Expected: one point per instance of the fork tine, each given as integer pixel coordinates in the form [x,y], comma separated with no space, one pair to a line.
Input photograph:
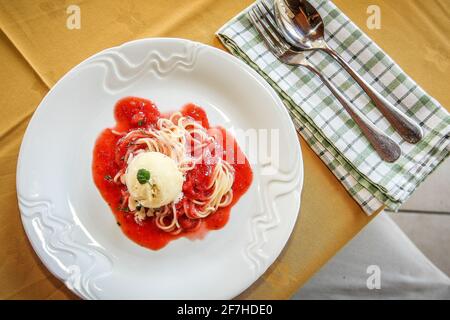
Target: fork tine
[265,29]
[270,27]
[267,39]
[268,10]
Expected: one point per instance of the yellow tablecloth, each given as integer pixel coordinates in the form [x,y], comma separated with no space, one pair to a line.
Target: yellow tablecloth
[36,49]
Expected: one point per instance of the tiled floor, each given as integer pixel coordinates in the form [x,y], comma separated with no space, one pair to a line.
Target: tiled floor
[403,258]
[404,272]
[430,233]
[434,193]
[425,217]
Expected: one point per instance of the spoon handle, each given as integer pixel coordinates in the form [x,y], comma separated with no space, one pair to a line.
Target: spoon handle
[405,126]
[387,149]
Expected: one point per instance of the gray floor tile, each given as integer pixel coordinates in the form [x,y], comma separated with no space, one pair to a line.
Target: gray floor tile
[434,193]
[430,233]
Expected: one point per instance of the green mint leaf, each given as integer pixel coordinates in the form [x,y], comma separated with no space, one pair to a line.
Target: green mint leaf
[143,176]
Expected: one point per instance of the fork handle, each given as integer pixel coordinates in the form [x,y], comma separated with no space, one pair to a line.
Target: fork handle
[387,149]
[405,126]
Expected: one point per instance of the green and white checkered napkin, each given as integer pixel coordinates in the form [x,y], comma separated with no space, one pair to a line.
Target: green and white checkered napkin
[325,125]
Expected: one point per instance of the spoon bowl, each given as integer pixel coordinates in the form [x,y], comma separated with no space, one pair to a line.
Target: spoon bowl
[300,23]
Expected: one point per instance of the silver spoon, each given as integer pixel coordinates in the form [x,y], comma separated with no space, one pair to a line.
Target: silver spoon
[302,26]
[261,17]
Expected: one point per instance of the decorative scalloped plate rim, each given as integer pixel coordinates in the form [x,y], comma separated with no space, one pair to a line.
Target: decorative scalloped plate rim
[88,252]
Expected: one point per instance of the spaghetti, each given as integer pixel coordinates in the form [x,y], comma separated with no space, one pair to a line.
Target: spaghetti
[188,143]
[208,181]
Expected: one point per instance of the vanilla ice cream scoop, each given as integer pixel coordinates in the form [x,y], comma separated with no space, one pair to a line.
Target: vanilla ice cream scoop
[153,179]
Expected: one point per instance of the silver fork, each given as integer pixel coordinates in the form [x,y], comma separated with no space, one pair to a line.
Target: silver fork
[263,20]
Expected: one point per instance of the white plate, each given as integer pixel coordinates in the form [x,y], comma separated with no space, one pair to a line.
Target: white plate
[73,230]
